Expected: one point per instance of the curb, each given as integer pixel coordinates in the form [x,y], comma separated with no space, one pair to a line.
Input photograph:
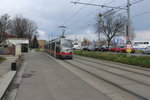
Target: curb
[5,82]
[18,78]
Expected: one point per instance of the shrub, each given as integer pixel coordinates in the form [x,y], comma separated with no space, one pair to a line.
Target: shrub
[2,59]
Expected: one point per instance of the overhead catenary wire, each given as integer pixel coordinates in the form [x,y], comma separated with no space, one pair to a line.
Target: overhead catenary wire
[92,18]
[141,14]
[76,13]
[75,22]
[88,14]
[122,6]
[84,27]
[136,2]
[110,2]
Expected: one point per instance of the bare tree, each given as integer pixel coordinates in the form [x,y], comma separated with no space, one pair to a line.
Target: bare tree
[23,27]
[85,42]
[110,24]
[4,25]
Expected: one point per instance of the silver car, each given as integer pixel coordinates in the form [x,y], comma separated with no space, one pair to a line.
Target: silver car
[146,50]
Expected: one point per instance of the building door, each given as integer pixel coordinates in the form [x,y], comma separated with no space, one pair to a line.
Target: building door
[24,48]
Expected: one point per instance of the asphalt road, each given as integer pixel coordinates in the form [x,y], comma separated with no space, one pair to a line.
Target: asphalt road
[46,79]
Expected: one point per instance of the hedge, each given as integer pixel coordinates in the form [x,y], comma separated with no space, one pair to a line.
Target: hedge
[143,61]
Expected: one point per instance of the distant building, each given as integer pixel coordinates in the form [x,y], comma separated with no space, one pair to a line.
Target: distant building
[41,44]
[21,44]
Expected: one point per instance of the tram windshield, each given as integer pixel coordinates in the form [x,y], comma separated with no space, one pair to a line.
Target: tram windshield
[66,44]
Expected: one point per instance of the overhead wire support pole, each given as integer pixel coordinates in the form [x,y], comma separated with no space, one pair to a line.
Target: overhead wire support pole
[128,34]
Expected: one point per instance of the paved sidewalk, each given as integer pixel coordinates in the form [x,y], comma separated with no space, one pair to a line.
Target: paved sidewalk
[6,65]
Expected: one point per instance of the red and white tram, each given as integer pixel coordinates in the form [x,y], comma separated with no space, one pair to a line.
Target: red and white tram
[60,48]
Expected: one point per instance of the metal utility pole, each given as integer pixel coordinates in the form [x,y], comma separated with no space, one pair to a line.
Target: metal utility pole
[99,39]
[128,32]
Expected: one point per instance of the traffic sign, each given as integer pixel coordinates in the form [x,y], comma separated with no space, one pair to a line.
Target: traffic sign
[128,46]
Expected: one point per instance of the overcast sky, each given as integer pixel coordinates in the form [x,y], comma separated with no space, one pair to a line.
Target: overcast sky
[50,14]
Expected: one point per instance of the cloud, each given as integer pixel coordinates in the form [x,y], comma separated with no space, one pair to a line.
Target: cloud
[142,35]
[88,34]
[42,35]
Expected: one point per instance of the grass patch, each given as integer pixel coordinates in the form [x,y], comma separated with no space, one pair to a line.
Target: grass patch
[38,50]
[2,59]
[138,51]
[143,61]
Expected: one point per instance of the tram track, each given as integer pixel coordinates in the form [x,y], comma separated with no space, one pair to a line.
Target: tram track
[112,66]
[108,81]
[93,66]
[114,87]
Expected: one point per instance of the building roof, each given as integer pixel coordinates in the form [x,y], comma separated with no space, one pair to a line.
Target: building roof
[6,35]
[17,39]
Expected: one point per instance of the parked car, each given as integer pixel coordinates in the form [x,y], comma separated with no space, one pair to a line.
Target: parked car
[88,48]
[120,49]
[114,49]
[101,48]
[146,50]
[91,48]
[105,48]
[85,48]
[98,48]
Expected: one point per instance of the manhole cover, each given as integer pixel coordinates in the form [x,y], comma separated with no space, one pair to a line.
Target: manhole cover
[26,75]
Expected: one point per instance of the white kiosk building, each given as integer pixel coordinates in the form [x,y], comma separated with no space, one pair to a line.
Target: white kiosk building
[21,44]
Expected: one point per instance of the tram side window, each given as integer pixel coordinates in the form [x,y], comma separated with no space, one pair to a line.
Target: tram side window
[53,46]
[57,46]
[57,49]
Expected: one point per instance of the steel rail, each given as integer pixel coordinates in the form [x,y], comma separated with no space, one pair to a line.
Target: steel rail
[115,67]
[128,91]
[114,73]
